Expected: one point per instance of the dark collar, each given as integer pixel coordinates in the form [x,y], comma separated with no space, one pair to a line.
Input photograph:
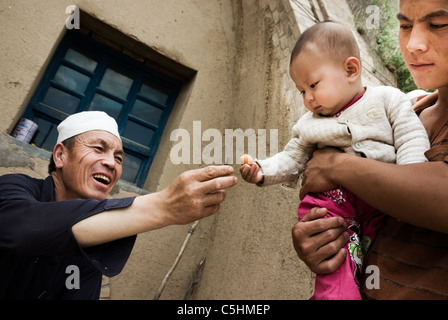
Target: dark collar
[48,190]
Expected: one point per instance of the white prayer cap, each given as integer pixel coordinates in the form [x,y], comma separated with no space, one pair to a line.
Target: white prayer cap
[86,121]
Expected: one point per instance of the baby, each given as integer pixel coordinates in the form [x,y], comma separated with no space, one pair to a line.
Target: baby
[373,122]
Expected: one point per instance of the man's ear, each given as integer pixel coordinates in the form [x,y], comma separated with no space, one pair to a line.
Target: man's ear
[59,154]
[352,67]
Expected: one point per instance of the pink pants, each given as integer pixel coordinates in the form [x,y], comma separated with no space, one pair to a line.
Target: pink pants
[364,222]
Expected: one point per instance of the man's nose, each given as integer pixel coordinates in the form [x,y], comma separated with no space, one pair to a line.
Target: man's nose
[417,40]
[108,160]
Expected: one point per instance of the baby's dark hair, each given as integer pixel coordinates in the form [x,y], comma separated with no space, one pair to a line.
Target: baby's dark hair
[331,37]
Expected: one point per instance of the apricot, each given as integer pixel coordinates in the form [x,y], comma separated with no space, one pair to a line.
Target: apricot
[247,159]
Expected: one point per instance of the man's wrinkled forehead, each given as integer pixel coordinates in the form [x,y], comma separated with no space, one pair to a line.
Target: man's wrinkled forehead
[427,10]
[100,138]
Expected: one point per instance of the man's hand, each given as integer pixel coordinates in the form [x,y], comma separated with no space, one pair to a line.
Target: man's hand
[316,177]
[320,242]
[196,194]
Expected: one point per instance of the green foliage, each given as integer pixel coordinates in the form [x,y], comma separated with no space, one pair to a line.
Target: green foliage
[387,43]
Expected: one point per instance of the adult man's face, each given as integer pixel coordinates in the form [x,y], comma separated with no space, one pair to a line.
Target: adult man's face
[424,41]
[92,167]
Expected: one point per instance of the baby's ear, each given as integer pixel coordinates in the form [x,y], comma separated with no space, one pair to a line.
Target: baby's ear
[352,67]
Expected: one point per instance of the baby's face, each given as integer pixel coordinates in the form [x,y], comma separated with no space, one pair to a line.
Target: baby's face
[324,84]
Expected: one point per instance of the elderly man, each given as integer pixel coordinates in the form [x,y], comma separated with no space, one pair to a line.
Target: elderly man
[67,220]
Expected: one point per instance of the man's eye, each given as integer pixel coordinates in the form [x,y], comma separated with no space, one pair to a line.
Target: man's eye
[405,26]
[438,26]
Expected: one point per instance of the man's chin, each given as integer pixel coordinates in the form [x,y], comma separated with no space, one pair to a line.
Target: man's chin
[96,194]
[99,191]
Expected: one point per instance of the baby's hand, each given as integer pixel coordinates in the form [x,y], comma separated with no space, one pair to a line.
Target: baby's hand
[250,171]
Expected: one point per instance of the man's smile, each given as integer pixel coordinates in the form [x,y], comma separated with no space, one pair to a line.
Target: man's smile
[102,178]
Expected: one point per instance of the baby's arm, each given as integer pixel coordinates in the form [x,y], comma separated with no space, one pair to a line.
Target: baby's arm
[284,167]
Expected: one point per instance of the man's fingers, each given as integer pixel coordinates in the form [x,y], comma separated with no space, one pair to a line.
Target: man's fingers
[217,184]
[325,241]
[323,227]
[209,179]
[214,198]
[319,240]
[316,224]
[211,172]
[333,239]
[330,265]
[210,210]
[314,213]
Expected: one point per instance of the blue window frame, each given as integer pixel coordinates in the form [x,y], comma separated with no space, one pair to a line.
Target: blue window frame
[85,75]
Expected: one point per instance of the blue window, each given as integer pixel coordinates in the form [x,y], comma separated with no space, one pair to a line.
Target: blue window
[85,75]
